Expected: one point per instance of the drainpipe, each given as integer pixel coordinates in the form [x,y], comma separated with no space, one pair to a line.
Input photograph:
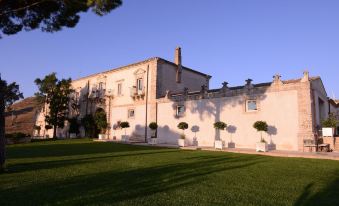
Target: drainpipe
[146,104]
[87,96]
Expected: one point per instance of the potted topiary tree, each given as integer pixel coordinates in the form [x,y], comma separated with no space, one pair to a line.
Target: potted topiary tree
[124,125]
[153,126]
[37,128]
[73,127]
[183,126]
[101,123]
[261,126]
[329,126]
[48,127]
[218,144]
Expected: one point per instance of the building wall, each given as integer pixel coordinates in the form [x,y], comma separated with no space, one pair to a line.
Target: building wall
[202,114]
[321,102]
[167,79]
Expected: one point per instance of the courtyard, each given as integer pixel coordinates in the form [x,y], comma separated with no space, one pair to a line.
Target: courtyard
[83,172]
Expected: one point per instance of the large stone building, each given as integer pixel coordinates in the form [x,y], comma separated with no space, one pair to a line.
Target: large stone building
[157,90]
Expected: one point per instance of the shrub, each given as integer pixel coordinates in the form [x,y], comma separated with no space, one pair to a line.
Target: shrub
[183,125]
[261,126]
[101,121]
[331,121]
[16,135]
[124,125]
[89,124]
[153,126]
[73,125]
[48,127]
[37,127]
[220,125]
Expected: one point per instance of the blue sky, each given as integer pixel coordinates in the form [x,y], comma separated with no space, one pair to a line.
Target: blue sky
[231,40]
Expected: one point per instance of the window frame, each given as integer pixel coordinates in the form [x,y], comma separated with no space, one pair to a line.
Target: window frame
[128,113]
[178,113]
[119,89]
[248,101]
[140,84]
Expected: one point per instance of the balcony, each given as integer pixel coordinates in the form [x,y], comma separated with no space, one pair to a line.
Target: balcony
[99,96]
[137,92]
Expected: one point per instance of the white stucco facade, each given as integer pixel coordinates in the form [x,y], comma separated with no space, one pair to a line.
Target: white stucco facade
[153,89]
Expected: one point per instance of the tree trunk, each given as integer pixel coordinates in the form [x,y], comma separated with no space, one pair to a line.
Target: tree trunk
[2,132]
[54,131]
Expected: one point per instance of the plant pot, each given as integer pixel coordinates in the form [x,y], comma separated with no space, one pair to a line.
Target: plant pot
[152,141]
[72,135]
[218,144]
[124,138]
[102,136]
[231,145]
[328,131]
[261,147]
[181,142]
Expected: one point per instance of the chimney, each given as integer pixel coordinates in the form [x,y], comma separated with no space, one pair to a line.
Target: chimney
[177,61]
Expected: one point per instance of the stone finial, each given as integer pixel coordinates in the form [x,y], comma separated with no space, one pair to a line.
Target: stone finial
[185,91]
[277,79]
[168,94]
[248,81]
[306,76]
[224,85]
[249,84]
[203,89]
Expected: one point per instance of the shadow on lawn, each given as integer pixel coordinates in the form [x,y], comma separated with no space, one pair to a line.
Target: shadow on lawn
[131,186]
[327,197]
[34,166]
[59,148]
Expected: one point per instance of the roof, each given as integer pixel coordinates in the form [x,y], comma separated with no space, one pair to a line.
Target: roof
[23,116]
[265,84]
[142,62]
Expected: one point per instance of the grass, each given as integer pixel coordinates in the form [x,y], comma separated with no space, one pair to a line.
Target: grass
[81,172]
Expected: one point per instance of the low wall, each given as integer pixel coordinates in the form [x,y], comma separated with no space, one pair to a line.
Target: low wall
[333,141]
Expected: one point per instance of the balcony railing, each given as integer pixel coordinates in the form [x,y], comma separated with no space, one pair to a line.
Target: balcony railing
[96,93]
[137,92]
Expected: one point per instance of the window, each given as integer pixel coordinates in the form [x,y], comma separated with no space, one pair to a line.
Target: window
[140,84]
[251,105]
[119,89]
[180,111]
[101,86]
[131,113]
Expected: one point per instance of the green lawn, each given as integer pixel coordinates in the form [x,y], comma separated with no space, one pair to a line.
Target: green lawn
[81,172]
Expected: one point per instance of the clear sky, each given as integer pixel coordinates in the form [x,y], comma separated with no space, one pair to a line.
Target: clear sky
[232,40]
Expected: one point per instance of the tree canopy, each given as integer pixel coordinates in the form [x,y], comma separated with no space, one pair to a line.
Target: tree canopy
[48,15]
[9,93]
[56,94]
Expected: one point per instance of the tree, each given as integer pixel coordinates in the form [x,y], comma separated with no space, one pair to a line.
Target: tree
[220,126]
[9,93]
[183,126]
[153,126]
[56,94]
[88,123]
[49,15]
[261,126]
[124,125]
[101,121]
[73,125]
